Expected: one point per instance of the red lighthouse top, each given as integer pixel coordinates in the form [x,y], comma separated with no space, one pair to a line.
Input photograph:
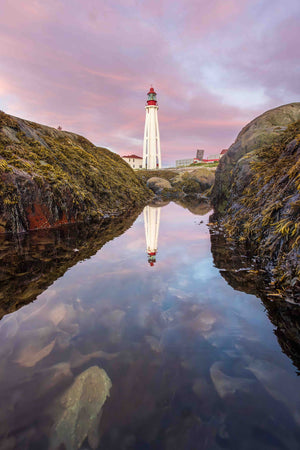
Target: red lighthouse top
[151,97]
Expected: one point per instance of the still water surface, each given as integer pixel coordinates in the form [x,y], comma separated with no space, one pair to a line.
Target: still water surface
[129,350]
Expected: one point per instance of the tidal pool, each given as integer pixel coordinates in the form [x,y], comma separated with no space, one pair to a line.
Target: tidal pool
[110,340]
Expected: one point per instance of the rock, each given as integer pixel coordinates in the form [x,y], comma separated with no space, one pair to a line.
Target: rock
[50,177]
[158,185]
[256,193]
[79,410]
[178,184]
[203,176]
[262,130]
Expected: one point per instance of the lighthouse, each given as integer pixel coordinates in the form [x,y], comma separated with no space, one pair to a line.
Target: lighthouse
[151,221]
[151,148]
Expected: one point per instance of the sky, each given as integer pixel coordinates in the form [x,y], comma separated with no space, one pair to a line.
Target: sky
[87,66]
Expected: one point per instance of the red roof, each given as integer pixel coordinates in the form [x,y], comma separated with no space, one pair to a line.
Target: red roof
[224,151]
[132,156]
[151,91]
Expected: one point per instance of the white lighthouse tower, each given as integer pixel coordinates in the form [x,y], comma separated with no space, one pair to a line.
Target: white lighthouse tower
[151,149]
[151,220]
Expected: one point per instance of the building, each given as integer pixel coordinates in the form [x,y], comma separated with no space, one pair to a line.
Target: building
[199,155]
[225,150]
[215,157]
[136,162]
[184,162]
[200,158]
[151,147]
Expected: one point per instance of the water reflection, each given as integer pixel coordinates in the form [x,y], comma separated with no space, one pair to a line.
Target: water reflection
[115,356]
[241,271]
[152,221]
[31,262]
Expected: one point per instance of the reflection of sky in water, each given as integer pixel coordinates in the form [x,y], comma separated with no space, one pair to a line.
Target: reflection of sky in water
[193,346]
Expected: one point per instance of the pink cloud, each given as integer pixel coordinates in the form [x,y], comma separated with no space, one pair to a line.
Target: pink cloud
[88,65]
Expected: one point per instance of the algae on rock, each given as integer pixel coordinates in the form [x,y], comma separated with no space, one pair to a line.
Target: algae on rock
[257,193]
[50,177]
[79,410]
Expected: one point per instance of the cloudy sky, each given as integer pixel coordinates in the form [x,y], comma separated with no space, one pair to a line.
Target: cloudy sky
[87,65]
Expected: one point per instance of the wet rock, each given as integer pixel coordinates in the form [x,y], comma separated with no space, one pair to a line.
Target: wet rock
[158,185]
[256,193]
[79,410]
[262,130]
[63,178]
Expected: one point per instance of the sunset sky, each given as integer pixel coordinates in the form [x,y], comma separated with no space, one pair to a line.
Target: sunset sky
[87,65]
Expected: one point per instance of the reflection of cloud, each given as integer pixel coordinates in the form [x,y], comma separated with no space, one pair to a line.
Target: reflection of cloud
[203,270]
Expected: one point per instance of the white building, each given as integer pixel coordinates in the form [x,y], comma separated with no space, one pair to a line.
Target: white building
[134,161]
[151,147]
[184,162]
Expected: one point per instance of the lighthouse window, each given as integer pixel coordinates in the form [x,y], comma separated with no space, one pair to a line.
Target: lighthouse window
[151,96]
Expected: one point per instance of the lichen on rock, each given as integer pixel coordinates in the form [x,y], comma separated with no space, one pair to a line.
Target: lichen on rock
[256,194]
[50,177]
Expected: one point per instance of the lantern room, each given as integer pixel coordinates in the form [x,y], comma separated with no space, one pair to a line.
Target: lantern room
[151,97]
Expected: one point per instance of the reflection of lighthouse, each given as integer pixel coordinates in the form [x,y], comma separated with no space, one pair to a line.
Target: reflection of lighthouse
[151,219]
[151,148]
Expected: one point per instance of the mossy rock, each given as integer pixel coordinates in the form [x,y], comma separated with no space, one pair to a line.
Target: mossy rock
[50,177]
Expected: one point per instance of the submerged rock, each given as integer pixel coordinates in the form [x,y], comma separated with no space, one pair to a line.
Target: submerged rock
[79,410]
[226,385]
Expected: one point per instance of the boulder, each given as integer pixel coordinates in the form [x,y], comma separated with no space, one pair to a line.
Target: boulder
[263,130]
[50,178]
[158,185]
[256,194]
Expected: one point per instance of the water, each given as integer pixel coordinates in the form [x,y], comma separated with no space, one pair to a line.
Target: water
[188,361]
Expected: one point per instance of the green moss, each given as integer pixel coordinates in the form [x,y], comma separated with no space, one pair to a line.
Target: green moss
[92,179]
[267,213]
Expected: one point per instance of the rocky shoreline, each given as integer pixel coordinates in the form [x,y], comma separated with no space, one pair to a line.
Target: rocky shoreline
[50,177]
[256,194]
[179,184]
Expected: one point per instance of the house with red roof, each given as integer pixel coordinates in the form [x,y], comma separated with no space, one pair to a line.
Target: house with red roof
[135,162]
